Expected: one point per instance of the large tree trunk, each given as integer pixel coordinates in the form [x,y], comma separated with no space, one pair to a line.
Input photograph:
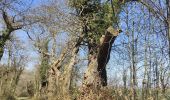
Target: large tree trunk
[95,75]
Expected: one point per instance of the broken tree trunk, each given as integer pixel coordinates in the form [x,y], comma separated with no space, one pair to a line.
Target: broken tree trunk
[95,75]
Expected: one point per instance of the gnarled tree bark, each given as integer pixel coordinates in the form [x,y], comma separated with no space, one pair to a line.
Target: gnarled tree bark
[60,82]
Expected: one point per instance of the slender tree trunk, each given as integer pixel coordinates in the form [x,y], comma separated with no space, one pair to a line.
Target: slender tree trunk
[125,81]
[95,76]
[144,83]
[156,79]
[149,76]
[133,65]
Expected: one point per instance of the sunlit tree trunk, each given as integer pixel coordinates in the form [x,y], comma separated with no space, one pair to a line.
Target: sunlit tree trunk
[53,75]
[66,77]
[59,81]
[133,64]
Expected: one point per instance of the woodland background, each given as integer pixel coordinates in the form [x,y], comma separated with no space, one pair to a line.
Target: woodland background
[84,50]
